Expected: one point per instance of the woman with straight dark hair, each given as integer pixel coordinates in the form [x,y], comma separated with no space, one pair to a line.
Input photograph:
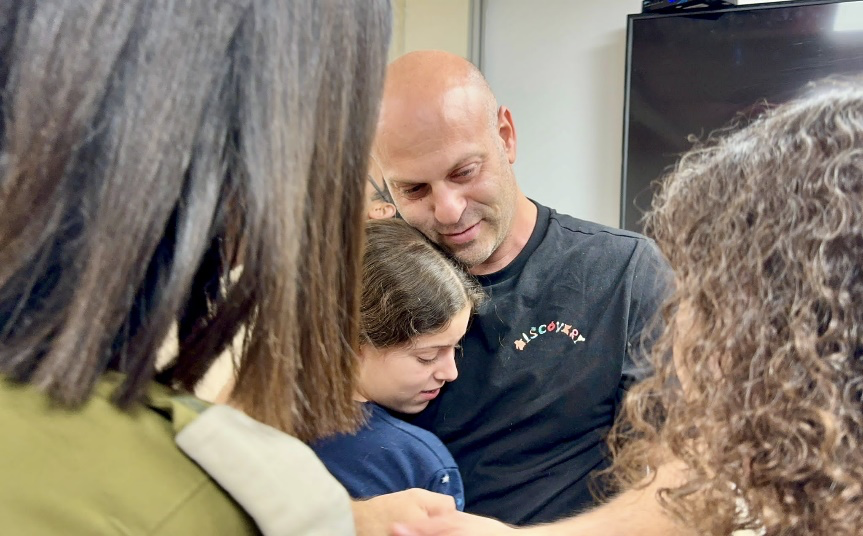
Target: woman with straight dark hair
[145,146]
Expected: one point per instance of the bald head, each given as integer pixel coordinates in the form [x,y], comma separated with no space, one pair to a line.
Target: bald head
[429,85]
[431,71]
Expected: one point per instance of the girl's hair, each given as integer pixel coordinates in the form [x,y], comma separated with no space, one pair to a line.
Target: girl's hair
[764,229]
[410,286]
[145,147]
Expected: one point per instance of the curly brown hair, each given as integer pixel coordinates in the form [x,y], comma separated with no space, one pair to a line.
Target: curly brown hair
[764,230]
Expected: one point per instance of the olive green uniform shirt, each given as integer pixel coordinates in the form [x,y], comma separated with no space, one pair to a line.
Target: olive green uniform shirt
[97,470]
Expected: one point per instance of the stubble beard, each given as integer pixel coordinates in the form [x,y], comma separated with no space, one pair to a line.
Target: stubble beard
[477,253]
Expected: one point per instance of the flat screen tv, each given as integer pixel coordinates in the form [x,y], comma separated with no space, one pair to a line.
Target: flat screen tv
[690,73]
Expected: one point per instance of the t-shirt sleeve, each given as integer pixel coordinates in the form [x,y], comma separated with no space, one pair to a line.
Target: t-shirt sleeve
[651,284]
[448,481]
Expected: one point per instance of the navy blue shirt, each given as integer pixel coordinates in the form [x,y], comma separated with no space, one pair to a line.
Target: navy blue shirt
[388,455]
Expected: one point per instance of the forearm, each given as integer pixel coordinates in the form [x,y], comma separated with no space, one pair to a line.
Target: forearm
[634,512]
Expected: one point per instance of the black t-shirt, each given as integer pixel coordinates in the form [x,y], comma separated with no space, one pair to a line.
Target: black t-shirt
[544,365]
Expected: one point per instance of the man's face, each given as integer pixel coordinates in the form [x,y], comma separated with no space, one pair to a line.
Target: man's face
[451,177]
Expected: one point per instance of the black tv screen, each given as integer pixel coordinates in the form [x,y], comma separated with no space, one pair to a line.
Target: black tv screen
[690,73]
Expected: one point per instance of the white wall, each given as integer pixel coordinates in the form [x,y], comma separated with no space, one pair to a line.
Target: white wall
[559,66]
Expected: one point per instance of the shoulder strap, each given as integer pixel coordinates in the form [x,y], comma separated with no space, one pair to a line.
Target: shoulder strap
[276,478]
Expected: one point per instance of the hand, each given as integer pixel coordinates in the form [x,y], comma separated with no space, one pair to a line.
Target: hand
[454,524]
[375,516]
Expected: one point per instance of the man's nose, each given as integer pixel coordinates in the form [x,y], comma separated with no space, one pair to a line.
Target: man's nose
[449,205]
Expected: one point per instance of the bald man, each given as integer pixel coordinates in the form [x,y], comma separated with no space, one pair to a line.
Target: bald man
[546,361]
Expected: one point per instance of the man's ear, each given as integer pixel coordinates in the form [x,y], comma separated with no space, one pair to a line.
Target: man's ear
[382,211]
[506,131]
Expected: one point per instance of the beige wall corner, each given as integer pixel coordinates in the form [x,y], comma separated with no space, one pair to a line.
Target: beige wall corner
[431,24]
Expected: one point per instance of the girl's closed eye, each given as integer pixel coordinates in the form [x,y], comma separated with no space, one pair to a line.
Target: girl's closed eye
[427,359]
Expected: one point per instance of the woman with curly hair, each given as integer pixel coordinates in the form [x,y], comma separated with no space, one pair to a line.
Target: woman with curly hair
[764,229]
[754,418]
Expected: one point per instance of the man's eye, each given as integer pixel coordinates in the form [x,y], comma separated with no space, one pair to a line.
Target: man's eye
[413,191]
[465,172]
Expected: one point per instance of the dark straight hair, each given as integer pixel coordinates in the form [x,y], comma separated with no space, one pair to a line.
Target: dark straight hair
[147,145]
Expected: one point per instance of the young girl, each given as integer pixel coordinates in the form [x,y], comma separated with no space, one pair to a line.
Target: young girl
[415,308]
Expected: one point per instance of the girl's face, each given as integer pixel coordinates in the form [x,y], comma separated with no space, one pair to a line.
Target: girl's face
[407,379]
